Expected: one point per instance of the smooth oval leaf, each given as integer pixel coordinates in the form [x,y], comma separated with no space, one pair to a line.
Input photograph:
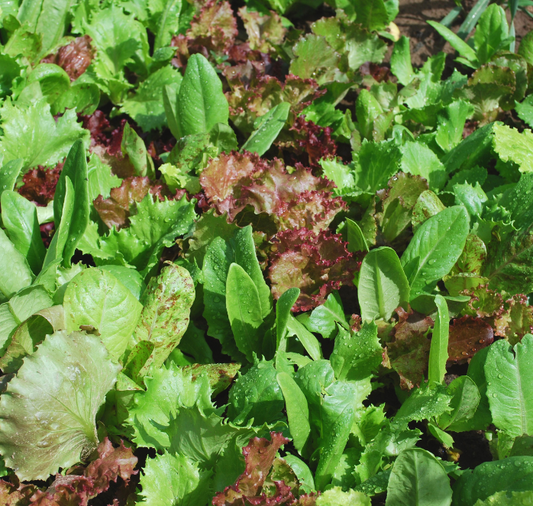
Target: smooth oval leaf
[438,352]
[509,373]
[201,101]
[49,409]
[283,313]
[297,410]
[382,286]
[418,479]
[435,248]
[244,311]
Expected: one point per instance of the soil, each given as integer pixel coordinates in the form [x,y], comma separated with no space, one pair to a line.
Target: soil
[425,41]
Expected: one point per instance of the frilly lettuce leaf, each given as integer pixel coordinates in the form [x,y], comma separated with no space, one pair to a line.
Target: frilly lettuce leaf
[317,264]
[234,181]
[48,411]
[174,479]
[110,465]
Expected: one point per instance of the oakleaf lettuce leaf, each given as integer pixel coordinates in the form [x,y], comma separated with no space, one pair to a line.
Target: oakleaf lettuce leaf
[48,411]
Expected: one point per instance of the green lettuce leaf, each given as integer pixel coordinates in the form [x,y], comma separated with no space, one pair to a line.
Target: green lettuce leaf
[49,409]
[146,105]
[31,133]
[169,480]
[97,300]
[167,303]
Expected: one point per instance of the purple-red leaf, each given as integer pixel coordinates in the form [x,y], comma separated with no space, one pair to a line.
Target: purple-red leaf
[317,264]
[467,336]
[259,457]
[236,180]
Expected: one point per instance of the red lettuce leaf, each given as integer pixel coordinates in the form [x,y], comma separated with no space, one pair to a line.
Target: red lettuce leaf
[317,264]
[234,181]
[74,58]
[73,489]
[115,210]
[259,457]
[408,353]
[467,336]
[307,138]
[264,30]
[516,321]
[253,93]
[39,185]
[13,493]
[214,27]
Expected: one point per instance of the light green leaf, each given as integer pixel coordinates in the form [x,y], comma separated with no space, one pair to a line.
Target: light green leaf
[167,391]
[168,23]
[435,248]
[269,127]
[31,133]
[172,480]
[420,160]
[9,173]
[355,236]
[308,340]
[54,253]
[116,36]
[464,404]
[323,319]
[427,402]
[101,179]
[30,334]
[15,272]
[47,18]
[451,122]
[382,285]
[19,217]
[357,355]
[134,148]
[438,353]
[244,311]
[509,373]
[400,61]
[221,253]
[49,409]
[337,497]
[96,299]
[146,106]
[342,175]
[297,410]
[167,303]
[513,146]
[201,102]
[418,479]
[338,408]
